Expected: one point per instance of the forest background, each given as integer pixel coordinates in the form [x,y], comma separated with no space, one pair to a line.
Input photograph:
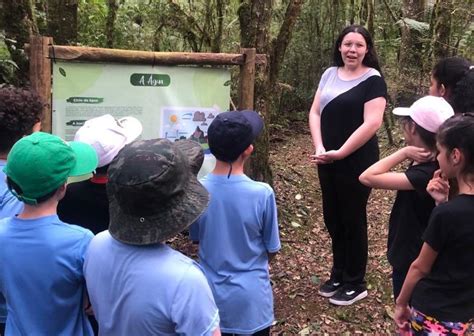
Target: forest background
[298,38]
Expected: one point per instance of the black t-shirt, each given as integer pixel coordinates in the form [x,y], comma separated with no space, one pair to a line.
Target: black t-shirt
[447,293]
[342,112]
[86,204]
[409,217]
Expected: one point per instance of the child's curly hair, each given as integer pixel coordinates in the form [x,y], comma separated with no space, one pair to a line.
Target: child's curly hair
[20,110]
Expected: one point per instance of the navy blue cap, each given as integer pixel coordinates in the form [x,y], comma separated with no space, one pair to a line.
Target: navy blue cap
[230,133]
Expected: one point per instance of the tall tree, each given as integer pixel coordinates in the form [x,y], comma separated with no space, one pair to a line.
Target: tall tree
[113,7]
[410,53]
[19,23]
[62,20]
[441,28]
[255,19]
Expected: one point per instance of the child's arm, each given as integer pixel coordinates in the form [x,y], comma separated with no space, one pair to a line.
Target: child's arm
[379,175]
[418,270]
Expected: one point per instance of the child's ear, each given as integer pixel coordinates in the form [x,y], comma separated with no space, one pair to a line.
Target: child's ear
[248,150]
[61,192]
[457,157]
[442,90]
[411,127]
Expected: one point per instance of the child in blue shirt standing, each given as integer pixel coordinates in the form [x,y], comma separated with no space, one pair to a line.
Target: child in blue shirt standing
[238,234]
[41,257]
[20,115]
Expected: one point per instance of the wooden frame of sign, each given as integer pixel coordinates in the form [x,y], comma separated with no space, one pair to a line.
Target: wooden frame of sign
[42,50]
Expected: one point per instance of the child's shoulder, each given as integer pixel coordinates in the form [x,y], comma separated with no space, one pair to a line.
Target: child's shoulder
[259,186]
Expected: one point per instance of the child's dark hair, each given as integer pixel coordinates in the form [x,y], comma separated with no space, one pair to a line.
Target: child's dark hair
[371,60]
[457,76]
[458,132]
[20,110]
[102,170]
[428,138]
[17,189]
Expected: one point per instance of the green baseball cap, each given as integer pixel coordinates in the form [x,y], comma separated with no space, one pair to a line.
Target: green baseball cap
[40,163]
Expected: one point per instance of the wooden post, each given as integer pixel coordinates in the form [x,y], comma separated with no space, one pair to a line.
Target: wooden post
[247,79]
[40,75]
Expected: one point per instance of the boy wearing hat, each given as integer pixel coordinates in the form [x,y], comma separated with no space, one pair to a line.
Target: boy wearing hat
[41,257]
[137,284]
[20,115]
[86,203]
[238,233]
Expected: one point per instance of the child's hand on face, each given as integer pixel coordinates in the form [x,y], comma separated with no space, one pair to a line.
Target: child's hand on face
[418,154]
[438,187]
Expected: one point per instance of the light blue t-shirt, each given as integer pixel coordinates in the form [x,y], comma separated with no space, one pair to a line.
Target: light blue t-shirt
[147,290]
[9,206]
[235,234]
[41,276]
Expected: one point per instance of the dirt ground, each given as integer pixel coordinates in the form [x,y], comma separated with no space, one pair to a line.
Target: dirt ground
[305,259]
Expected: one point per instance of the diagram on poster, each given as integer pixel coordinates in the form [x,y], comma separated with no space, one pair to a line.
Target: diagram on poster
[187,123]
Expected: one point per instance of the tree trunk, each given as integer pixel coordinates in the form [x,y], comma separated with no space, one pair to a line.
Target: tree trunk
[254,18]
[370,17]
[442,28]
[62,21]
[113,6]
[256,34]
[410,55]
[18,23]
[217,39]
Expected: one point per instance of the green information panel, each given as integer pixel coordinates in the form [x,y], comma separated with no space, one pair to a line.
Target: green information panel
[171,102]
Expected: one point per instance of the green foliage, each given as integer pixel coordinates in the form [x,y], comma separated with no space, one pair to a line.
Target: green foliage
[8,67]
[92,15]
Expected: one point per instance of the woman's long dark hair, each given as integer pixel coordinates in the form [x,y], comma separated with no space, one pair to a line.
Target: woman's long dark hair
[371,60]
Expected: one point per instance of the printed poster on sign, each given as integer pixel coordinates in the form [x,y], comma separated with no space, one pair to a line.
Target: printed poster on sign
[188,123]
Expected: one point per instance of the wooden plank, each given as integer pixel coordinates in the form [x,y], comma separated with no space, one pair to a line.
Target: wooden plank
[247,79]
[40,76]
[88,54]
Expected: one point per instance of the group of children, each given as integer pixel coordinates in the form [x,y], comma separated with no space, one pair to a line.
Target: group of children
[431,236]
[53,275]
[57,277]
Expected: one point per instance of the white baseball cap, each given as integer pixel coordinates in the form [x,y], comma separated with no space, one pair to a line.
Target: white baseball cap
[428,112]
[109,135]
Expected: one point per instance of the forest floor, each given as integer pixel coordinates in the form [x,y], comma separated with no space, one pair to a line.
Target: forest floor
[305,258]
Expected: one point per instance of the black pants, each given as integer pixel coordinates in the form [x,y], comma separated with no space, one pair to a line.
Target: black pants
[345,215]
[398,278]
[2,329]
[263,332]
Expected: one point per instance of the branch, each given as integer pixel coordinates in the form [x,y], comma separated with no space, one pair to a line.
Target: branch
[394,18]
[283,39]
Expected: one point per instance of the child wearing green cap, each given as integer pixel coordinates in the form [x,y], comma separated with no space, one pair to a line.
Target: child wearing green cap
[41,258]
[20,115]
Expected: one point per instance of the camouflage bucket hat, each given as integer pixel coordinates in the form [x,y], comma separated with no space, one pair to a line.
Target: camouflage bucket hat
[153,190]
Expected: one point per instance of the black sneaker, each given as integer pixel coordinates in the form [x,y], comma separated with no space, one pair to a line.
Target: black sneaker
[329,288]
[348,294]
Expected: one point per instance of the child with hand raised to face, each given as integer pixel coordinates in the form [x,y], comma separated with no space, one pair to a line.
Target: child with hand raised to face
[413,205]
[440,283]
